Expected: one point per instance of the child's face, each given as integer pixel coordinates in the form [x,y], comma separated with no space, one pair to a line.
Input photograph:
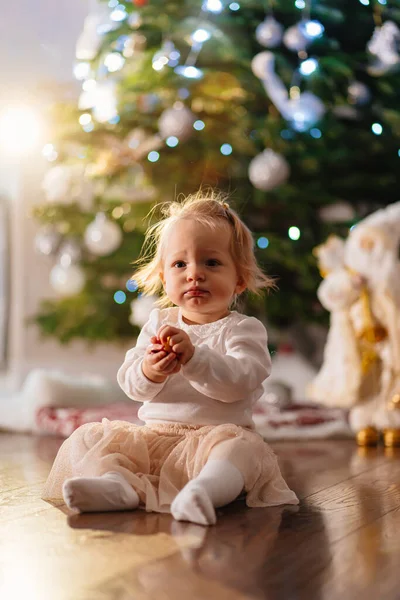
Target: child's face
[199,273]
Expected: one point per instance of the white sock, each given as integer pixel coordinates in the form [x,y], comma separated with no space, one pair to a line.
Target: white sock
[111,491]
[218,484]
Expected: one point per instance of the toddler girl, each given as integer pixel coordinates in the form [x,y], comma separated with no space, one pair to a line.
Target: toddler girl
[198,369]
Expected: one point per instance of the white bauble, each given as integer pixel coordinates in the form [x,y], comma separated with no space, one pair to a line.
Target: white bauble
[57,183]
[339,212]
[67,281]
[359,93]
[176,121]
[47,241]
[305,111]
[278,395]
[268,170]
[70,252]
[269,33]
[295,39]
[141,308]
[102,236]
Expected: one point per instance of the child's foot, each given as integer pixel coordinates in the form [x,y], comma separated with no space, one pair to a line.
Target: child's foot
[194,504]
[97,494]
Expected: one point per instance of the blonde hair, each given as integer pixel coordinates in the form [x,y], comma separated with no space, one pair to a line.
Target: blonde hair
[209,208]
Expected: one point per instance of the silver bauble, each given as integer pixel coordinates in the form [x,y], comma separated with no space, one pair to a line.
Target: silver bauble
[269,33]
[359,93]
[176,121]
[268,170]
[102,236]
[278,394]
[295,39]
[67,281]
[339,212]
[70,252]
[47,241]
[305,111]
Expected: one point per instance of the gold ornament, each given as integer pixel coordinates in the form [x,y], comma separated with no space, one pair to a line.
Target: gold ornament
[391,438]
[394,402]
[367,437]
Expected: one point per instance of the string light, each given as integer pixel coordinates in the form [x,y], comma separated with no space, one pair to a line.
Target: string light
[308,66]
[131,285]
[365,2]
[286,134]
[85,119]
[214,6]
[172,141]
[199,125]
[313,29]
[189,71]
[201,35]
[120,297]
[263,242]
[377,128]
[294,233]
[226,149]
[234,6]
[81,70]
[49,152]
[153,156]
[300,4]
[315,133]
[114,61]
[119,14]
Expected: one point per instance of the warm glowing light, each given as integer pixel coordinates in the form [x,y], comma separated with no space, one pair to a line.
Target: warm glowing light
[21,129]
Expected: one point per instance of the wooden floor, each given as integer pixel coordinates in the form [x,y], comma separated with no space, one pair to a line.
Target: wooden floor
[343,542]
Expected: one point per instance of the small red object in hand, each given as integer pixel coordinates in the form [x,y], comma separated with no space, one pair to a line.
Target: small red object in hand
[166,346]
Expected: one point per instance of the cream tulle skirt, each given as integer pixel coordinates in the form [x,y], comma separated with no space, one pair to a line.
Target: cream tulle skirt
[158,460]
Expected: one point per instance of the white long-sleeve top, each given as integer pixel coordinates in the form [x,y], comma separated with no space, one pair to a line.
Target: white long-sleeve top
[220,383]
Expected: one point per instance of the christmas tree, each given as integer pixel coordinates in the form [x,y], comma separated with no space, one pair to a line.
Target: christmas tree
[290,106]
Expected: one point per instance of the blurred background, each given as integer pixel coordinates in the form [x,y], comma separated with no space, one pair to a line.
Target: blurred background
[109,108]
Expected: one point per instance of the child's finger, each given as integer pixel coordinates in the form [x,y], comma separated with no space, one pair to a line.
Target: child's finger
[171,368]
[174,339]
[167,331]
[165,362]
[155,357]
[156,348]
[178,348]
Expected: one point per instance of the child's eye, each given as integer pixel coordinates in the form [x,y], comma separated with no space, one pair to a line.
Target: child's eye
[212,262]
[179,264]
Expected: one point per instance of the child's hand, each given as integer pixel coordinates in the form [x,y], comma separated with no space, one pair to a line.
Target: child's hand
[157,363]
[179,341]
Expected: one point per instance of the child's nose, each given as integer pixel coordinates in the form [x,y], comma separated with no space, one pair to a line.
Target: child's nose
[196,273]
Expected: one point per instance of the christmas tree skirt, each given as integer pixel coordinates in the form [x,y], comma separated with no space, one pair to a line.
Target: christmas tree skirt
[52,403]
[294,422]
[300,421]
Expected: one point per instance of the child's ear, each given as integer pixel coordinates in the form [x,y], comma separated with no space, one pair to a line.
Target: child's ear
[240,285]
[161,276]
